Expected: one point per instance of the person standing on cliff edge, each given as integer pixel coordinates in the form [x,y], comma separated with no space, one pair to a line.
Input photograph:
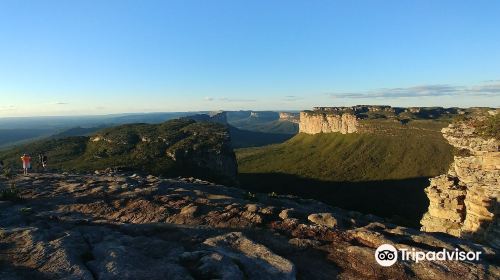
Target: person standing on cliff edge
[26,159]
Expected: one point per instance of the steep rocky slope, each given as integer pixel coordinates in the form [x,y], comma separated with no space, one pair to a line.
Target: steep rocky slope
[464,202]
[114,226]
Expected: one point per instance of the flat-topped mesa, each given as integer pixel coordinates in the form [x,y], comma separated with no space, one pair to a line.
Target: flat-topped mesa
[418,112]
[327,121]
[464,202]
[352,119]
[291,117]
[357,109]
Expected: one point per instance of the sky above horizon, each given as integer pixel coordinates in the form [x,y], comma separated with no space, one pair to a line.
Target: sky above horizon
[116,56]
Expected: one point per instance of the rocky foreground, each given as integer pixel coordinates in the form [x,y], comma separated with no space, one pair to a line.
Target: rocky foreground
[115,226]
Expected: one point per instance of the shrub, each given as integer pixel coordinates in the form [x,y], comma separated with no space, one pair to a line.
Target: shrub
[490,127]
[273,194]
[26,210]
[462,153]
[11,193]
[7,173]
[251,196]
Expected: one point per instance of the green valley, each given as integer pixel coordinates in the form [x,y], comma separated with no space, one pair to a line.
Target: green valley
[382,170]
[400,152]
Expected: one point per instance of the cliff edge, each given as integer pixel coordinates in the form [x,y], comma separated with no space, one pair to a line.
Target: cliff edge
[318,121]
[464,202]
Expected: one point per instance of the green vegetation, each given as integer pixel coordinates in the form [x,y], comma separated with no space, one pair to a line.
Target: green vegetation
[382,171]
[172,148]
[77,131]
[272,195]
[392,152]
[257,130]
[246,138]
[9,192]
[10,137]
[486,125]
[251,196]
[261,121]
[267,126]
[490,127]
[26,210]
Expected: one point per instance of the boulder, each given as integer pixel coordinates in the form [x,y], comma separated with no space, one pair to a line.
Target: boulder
[323,219]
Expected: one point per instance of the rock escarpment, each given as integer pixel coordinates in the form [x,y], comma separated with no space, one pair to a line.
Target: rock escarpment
[290,117]
[313,122]
[464,202]
[122,226]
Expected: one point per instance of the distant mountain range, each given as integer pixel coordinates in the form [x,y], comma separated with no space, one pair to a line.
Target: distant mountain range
[19,130]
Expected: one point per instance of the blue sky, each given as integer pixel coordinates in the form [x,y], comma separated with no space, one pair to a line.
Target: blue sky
[97,57]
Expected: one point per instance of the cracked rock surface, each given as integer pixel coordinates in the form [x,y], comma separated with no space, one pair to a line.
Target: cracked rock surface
[117,226]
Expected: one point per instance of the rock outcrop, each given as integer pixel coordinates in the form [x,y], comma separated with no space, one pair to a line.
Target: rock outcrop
[464,202]
[121,226]
[290,117]
[313,122]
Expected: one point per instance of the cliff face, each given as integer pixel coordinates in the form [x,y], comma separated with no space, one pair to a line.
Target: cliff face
[216,160]
[464,202]
[324,122]
[291,117]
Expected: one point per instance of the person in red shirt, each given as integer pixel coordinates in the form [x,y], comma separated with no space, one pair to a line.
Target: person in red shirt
[26,159]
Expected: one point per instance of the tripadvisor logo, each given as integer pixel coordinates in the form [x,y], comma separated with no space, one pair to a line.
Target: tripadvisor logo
[387,255]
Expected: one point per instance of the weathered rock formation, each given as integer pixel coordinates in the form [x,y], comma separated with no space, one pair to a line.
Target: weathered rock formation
[464,202]
[290,117]
[313,122]
[115,226]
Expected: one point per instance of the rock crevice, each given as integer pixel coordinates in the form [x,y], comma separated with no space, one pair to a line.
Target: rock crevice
[120,226]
